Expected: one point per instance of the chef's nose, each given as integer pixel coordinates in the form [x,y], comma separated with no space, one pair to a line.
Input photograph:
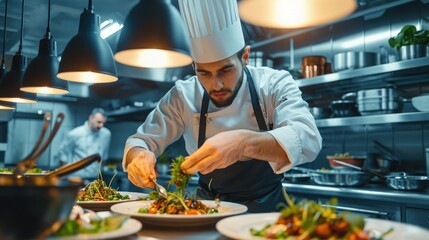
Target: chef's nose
[217,84]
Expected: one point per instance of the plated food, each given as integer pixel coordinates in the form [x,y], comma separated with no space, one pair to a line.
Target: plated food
[345,157]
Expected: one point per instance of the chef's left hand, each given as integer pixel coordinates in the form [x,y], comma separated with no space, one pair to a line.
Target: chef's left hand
[217,152]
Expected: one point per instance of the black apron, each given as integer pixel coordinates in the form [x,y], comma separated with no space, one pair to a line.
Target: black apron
[253,182]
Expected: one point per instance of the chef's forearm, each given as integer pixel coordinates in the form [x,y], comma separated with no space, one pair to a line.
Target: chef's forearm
[262,145]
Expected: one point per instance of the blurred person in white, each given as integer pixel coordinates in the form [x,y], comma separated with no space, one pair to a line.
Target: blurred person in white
[243,126]
[90,138]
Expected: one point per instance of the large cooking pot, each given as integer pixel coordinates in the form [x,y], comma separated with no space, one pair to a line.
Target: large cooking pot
[353,60]
[35,206]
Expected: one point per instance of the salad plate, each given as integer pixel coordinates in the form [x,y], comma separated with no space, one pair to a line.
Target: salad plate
[105,205]
[225,209]
[238,227]
[129,227]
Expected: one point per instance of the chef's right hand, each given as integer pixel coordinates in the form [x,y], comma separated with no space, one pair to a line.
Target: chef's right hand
[141,165]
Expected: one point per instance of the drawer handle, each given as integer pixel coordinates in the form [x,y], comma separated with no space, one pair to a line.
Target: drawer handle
[359,210]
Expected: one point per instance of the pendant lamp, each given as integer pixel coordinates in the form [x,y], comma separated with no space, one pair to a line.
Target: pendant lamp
[7,105]
[11,82]
[154,36]
[41,73]
[294,13]
[87,57]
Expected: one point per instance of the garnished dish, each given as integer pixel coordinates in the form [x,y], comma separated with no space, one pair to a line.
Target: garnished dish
[99,196]
[100,225]
[180,201]
[311,220]
[29,171]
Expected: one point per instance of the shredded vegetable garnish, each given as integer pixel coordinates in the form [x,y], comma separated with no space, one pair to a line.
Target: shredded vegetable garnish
[178,177]
[310,220]
[98,190]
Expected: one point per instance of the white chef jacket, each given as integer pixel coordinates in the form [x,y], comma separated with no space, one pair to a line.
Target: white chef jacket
[178,113]
[80,143]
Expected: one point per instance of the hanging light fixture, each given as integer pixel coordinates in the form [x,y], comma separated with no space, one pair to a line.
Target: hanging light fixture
[11,82]
[154,36]
[7,105]
[87,57]
[41,73]
[294,13]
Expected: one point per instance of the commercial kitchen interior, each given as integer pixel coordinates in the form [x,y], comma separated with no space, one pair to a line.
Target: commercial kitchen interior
[133,96]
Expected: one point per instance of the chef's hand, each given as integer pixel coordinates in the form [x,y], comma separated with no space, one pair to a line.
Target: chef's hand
[141,166]
[217,152]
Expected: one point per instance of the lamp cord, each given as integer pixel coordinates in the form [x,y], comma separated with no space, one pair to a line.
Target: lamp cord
[90,5]
[48,28]
[22,27]
[4,34]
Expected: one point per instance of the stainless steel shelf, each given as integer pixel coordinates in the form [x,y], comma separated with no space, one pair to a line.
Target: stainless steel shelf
[418,65]
[374,119]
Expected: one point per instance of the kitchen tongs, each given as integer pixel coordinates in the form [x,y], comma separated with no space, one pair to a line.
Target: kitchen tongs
[30,161]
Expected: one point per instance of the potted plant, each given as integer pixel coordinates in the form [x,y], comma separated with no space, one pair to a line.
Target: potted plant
[410,43]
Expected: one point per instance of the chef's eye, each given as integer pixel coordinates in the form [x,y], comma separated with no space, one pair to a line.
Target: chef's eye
[203,74]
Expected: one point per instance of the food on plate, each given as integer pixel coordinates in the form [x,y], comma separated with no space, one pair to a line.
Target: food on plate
[98,190]
[91,222]
[310,220]
[179,201]
[32,170]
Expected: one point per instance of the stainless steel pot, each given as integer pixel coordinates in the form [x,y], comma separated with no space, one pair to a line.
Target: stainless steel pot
[320,113]
[409,183]
[339,178]
[378,101]
[352,60]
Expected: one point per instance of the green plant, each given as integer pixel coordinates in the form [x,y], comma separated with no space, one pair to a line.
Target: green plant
[409,36]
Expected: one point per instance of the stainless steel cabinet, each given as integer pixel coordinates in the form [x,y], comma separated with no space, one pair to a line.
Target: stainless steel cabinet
[417,216]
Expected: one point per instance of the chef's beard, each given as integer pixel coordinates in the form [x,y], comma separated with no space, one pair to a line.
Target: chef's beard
[230,99]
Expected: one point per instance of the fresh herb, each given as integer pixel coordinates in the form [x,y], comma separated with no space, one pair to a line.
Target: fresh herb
[409,36]
[98,190]
[178,177]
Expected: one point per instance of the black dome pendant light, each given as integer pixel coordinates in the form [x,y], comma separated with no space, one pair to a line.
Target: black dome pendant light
[11,82]
[87,57]
[154,36]
[41,73]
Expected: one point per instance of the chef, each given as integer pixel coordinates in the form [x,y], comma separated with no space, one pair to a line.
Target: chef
[243,126]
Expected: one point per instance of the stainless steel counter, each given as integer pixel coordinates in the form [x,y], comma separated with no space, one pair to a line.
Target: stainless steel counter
[369,192]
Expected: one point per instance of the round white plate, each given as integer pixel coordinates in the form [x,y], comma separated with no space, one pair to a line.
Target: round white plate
[105,205]
[226,209]
[238,227]
[129,227]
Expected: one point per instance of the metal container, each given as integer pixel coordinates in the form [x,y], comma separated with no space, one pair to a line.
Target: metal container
[353,60]
[344,108]
[408,182]
[320,113]
[378,101]
[340,178]
[413,51]
[312,66]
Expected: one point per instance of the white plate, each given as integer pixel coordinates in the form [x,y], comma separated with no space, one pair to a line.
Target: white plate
[226,209]
[129,227]
[238,227]
[105,205]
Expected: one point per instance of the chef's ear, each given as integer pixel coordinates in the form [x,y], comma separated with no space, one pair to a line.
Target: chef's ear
[245,56]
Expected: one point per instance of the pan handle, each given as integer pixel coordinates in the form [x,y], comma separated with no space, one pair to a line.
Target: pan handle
[73,167]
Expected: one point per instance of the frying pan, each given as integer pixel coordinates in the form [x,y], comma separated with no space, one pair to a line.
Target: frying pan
[403,182]
[339,178]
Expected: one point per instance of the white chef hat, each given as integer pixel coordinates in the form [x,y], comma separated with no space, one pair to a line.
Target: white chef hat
[214,28]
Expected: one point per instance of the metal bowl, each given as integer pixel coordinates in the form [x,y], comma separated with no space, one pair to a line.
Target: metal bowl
[408,182]
[340,178]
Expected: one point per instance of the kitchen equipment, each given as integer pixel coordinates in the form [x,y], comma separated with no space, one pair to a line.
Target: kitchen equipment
[404,182]
[412,51]
[353,60]
[421,102]
[320,113]
[29,162]
[35,206]
[339,178]
[378,101]
[385,164]
[296,177]
[312,66]
[385,151]
[161,190]
[354,160]
[343,108]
